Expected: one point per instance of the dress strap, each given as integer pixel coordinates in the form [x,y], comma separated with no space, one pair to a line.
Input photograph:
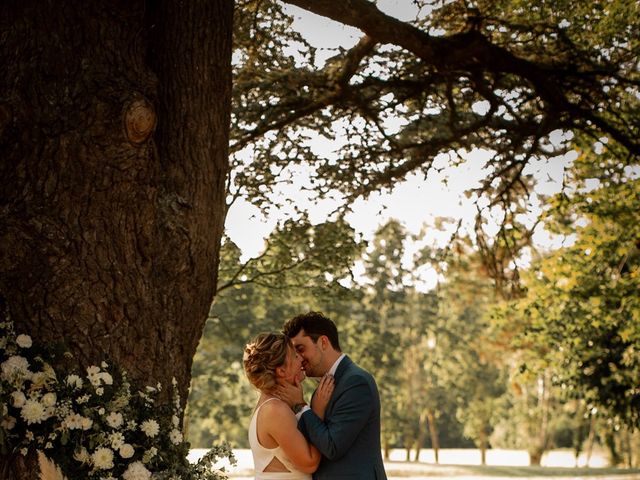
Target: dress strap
[267,400]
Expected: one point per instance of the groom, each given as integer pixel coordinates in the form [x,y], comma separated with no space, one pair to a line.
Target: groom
[349,435]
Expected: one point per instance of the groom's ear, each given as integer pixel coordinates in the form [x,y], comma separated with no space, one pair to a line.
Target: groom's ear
[324,342]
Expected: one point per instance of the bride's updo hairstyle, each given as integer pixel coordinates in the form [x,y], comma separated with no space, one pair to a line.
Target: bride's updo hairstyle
[265,353]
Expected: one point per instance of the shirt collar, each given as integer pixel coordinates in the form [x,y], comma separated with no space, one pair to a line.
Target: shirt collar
[334,367]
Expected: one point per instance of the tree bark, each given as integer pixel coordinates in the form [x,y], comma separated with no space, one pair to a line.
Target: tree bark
[435,439]
[483,441]
[114,126]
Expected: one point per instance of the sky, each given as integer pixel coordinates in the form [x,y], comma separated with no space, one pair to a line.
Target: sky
[415,202]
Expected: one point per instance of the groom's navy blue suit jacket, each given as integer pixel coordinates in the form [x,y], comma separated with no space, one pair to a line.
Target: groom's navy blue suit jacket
[349,436]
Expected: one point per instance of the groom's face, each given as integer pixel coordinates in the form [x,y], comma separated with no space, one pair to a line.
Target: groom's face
[311,353]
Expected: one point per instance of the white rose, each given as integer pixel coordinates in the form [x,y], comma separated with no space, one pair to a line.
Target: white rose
[136,471]
[18,399]
[23,341]
[49,399]
[126,451]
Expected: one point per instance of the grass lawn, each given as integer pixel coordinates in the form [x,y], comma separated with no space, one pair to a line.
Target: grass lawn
[464,464]
[423,471]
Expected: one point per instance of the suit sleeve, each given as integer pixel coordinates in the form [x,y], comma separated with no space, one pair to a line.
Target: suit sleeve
[350,413]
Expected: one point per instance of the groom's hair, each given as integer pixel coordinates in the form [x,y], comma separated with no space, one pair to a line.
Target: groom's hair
[314,324]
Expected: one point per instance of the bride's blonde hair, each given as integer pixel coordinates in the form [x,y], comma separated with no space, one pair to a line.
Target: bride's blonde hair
[265,353]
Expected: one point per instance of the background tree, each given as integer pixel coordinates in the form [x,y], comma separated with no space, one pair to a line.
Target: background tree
[582,299]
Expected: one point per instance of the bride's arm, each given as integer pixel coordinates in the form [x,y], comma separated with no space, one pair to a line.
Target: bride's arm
[281,424]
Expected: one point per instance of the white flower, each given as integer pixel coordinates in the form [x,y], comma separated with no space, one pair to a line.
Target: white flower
[114,419]
[18,399]
[33,412]
[99,391]
[106,378]
[175,421]
[74,381]
[175,436]
[101,411]
[102,458]
[149,454]
[23,341]
[116,439]
[93,375]
[49,399]
[126,451]
[86,423]
[15,366]
[82,455]
[75,421]
[39,379]
[136,471]
[150,427]
[8,423]
[82,399]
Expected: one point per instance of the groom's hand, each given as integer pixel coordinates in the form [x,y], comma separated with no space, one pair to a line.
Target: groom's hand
[291,394]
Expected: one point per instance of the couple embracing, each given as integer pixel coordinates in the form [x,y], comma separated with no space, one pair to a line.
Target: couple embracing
[337,434]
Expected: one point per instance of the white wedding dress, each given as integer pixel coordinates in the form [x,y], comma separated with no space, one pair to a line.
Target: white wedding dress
[262,456]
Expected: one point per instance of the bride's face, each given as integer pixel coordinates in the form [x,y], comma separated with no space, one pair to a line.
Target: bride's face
[293,367]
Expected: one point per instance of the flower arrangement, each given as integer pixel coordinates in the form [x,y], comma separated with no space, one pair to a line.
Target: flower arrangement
[91,424]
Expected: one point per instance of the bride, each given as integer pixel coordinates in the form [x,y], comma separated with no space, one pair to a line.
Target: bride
[280,451]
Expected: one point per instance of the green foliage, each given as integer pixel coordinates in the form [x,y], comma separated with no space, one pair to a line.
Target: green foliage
[505,76]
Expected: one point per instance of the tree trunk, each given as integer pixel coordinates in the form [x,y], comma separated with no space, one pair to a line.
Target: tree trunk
[591,439]
[386,448]
[433,431]
[535,456]
[483,442]
[114,120]
[422,433]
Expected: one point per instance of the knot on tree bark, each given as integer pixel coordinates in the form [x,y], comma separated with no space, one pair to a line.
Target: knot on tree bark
[139,120]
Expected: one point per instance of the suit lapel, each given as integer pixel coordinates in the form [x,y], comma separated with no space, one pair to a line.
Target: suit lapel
[343,366]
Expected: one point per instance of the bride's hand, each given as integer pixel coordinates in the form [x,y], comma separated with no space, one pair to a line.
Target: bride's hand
[322,395]
[289,393]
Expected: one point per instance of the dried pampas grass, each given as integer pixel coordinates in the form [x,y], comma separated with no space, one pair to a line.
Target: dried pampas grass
[48,469]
